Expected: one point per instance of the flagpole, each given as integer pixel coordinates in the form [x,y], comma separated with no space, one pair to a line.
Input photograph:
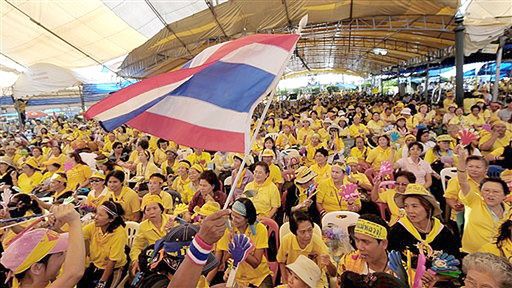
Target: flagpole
[253,139]
[302,23]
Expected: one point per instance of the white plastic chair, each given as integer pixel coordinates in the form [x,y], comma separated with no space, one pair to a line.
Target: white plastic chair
[272,135]
[285,229]
[228,181]
[341,219]
[47,200]
[81,198]
[131,228]
[447,174]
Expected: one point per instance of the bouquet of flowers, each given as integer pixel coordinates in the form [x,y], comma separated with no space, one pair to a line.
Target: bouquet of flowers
[337,240]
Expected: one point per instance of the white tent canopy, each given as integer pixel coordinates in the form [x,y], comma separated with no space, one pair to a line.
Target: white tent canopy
[43,78]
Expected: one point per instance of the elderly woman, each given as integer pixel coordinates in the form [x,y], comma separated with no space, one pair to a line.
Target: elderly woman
[208,189]
[246,175]
[487,208]
[297,198]
[486,270]
[267,199]
[29,179]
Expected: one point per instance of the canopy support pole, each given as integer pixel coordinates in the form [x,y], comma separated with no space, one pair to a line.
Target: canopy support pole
[459,61]
[499,55]
[425,92]
[82,99]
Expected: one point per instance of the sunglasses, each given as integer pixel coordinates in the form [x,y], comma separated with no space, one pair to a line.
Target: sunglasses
[96,180]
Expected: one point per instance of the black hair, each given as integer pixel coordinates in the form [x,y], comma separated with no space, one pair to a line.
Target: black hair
[160,141]
[117,219]
[296,218]
[144,144]
[210,177]
[424,202]
[22,204]
[249,209]
[58,147]
[477,158]
[385,136]
[36,147]
[119,175]
[377,220]
[475,106]
[409,175]
[322,151]
[504,233]
[264,165]
[76,156]
[415,143]
[116,144]
[503,184]
[158,175]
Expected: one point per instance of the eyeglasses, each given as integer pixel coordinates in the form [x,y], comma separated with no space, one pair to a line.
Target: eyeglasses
[96,180]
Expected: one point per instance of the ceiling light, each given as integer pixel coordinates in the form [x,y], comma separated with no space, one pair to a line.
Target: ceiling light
[380,51]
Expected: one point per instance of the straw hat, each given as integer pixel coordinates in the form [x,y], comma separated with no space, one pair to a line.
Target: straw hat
[410,136]
[6,160]
[444,138]
[418,190]
[406,111]
[304,175]
[334,127]
[307,270]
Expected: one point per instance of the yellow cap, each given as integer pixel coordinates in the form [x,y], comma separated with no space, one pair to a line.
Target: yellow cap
[207,209]
[268,153]
[59,178]
[98,175]
[444,138]
[351,160]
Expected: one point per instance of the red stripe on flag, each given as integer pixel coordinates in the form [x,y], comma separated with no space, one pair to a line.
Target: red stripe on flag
[188,134]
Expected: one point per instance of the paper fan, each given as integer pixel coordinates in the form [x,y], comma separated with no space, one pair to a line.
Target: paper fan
[349,191]
[394,136]
[487,127]
[386,168]
[466,137]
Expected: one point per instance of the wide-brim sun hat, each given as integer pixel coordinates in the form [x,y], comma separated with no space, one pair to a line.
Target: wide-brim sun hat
[304,175]
[307,270]
[421,191]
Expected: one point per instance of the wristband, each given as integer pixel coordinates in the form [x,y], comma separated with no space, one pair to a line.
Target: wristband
[202,243]
[197,253]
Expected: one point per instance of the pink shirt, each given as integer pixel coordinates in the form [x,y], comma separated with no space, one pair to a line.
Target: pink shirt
[419,170]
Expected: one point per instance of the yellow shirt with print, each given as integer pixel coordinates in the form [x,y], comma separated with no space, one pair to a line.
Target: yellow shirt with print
[202,159]
[147,234]
[78,175]
[28,183]
[378,155]
[104,247]
[481,225]
[322,173]
[284,141]
[328,196]
[130,202]
[166,199]
[289,251]
[358,130]
[267,196]
[247,275]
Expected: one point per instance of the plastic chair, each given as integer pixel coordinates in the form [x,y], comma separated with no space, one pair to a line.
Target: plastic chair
[81,198]
[131,228]
[285,229]
[228,181]
[342,219]
[447,174]
[272,135]
[494,171]
[272,226]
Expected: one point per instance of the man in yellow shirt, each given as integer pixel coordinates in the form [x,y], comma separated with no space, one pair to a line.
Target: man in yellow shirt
[499,137]
[286,138]
[321,168]
[159,155]
[388,117]
[357,128]
[267,198]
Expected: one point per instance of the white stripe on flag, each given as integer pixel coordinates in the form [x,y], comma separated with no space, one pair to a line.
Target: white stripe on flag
[138,101]
[266,57]
[202,114]
[205,54]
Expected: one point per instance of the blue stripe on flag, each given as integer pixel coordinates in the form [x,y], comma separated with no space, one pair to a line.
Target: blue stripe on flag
[113,123]
[227,85]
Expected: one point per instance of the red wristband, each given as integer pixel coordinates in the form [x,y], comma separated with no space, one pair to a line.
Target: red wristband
[203,244]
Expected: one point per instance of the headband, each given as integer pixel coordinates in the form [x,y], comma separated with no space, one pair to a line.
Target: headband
[239,208]
[102,161]
[371,229]
[112,213]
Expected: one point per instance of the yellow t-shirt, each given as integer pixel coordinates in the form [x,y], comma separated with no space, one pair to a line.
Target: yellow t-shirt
[360,155]
[202,159]
[284,141]
[166,165]
[130,202]
[411,123]
[179,185]
[504,251]
[267,196]
[303,135]
[480,225]
[246,274]
[166,199]
[147,171]
[77,175]
[375,127]
[453,188]
[159,156]
[97,201]
[499,143]
[321,172]
[27,184]
[388,196]
[106,246]
[328,196]
[275,174]
[289,251]
[147,234]
[358,130]
[188,192]
[377,155]
[475,121]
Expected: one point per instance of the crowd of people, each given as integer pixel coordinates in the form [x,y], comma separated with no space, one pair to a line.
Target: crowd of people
[91,208]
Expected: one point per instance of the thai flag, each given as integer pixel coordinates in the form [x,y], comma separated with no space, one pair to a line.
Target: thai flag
[209,102]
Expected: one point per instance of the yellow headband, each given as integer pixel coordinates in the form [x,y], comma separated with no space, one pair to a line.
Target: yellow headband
[371,229]
[102,161]
[184,165]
